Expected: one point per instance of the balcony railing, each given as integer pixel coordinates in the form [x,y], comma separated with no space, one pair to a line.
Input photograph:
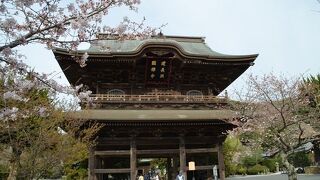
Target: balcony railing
[107,98]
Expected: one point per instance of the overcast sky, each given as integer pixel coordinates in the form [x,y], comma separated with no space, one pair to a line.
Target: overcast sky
[285,33]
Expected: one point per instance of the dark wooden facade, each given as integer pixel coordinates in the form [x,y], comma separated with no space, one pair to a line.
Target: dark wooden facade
[158,99]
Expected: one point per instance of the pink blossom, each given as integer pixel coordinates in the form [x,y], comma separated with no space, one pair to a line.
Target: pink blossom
[7,112]
[7,52]
[8,24]
[14,96]
[77,88]
[42,112]
[83,60]
[85,96]
[71,7]
[23,84]
[3,8]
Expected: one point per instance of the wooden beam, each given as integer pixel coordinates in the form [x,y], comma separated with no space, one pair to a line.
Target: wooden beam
[112,153]
[114,171]
[154,152]
[158,151]
[160,140]
[103,139]
[221,162]
[201,150]
[133,159]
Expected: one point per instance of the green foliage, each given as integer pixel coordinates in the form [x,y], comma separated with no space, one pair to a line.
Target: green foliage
[299,159]
[254,159]
[257,169]
[231,168]
[159,163]
[38,147]
[4,171]
[3,168]
[270,163]
[249,135]
[77,170]
[241,170]
[231,146]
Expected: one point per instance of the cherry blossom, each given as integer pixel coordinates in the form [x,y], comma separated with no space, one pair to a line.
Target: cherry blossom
[27,95]
[277,117]
[12,95]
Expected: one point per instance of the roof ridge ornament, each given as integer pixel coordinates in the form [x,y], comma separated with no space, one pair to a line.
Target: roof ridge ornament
[160,34]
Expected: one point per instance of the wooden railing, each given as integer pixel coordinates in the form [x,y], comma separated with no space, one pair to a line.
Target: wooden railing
[106,98]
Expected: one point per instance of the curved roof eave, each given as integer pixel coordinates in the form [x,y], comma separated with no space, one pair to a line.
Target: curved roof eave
[150,44]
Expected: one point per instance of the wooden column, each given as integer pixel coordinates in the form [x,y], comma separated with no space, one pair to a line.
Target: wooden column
[221,162]
[169,168]
[182,152]
[133,160]
[98,162]
[174,168]
[92,165]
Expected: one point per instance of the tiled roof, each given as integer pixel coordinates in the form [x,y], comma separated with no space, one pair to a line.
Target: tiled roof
[189,46]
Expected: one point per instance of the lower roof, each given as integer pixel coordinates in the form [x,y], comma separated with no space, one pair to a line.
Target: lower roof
[154,115]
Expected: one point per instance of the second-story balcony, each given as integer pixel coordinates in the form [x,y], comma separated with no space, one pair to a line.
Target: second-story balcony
[156,98]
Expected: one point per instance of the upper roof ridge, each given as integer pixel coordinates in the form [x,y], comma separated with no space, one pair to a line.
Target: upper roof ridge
[194,39]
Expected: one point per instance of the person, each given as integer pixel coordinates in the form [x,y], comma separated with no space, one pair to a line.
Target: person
[180,176]
[157,176]
[147,176]
[140,177]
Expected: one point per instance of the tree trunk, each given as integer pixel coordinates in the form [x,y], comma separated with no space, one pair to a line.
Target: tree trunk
[292,175]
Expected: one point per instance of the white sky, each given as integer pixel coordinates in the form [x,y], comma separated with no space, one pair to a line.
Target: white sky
[285,33]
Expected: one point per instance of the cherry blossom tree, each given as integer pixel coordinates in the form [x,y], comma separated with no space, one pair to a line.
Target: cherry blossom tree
[59,23]
[30,127]
[277,117]
[29,115]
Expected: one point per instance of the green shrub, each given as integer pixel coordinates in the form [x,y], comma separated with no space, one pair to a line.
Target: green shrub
[4,172]
[231,169]
[77,170]
[270,164]
[79,173]
[299,159]
[241,170]
[257,169]
[231,146]
[255,158]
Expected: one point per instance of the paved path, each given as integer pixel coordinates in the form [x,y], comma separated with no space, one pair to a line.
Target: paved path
[275,177]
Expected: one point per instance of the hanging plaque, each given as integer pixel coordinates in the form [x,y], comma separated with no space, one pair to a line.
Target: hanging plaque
[157,71]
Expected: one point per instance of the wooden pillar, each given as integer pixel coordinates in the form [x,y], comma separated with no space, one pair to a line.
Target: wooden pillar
[221,162]
[98,162]
[174,168]
[133,160]
[182,150]
[169,168]
[92,165]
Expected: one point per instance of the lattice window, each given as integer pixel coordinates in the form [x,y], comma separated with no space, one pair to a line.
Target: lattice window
[115,92]
[194,93]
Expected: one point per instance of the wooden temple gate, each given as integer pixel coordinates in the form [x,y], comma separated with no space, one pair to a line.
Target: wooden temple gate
[157,98]
[176,136]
